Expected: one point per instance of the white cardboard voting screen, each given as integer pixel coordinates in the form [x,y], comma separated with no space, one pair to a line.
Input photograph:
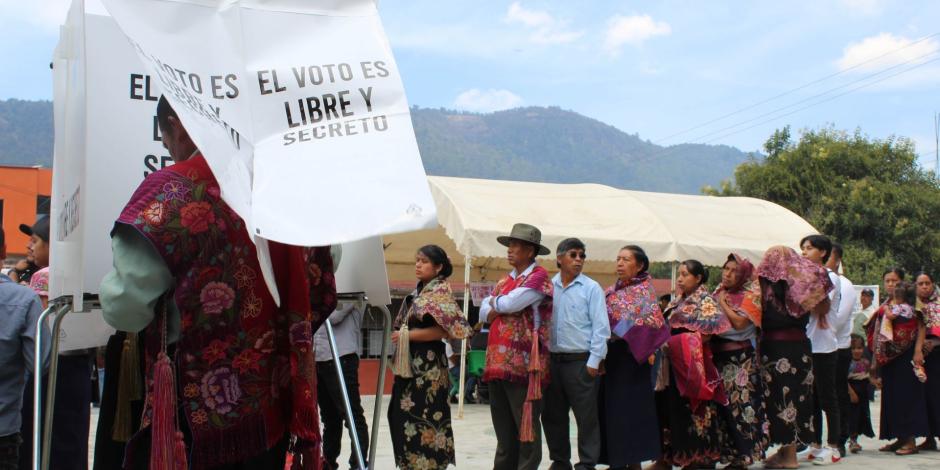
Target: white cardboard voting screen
[107,141]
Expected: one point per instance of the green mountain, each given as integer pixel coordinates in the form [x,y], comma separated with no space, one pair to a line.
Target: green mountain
[26,133]
[527,144]
[558,146]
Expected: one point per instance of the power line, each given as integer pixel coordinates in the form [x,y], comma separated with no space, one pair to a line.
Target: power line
[793,90]
[818,95]
[671,149]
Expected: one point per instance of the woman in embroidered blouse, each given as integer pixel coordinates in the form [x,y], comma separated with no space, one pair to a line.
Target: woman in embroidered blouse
[792,287]
[688,404]
[627,407]
[418,414]
[892,333]
[737,362]
[929,302]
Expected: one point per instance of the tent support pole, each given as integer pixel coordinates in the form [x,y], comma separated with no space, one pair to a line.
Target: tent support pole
[674,268]
[463,342]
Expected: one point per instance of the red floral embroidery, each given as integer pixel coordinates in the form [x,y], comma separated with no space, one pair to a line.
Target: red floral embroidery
[247,360]
[214,351]
[197,216]
[153,214]
[216,297]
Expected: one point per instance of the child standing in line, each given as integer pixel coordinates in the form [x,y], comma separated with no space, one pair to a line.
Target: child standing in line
[859,413]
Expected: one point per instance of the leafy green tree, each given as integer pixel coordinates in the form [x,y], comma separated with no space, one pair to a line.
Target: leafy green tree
[868,194]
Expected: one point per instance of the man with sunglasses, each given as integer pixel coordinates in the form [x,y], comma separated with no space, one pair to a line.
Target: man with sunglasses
[580,329]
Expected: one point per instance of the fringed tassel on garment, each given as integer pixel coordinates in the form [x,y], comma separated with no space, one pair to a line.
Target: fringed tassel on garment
[130,388]
[526,432]
[403,357]
[534,392]
[167,452]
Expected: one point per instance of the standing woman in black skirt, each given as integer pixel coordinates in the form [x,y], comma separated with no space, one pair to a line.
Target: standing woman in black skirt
[792,288]
[627,407]
[929,302]
[418,412]
[688,405]
[892,337]
[736,358]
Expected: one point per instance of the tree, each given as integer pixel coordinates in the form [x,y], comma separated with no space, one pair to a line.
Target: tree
[868,194]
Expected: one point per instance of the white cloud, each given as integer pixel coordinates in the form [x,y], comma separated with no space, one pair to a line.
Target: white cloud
[486,100]
[47,14]
[864,55]
[545,28]
[633,30]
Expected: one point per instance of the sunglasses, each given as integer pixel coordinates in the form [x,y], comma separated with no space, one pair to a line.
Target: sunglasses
[577,254]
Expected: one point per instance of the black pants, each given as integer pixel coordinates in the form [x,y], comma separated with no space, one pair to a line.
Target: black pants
[842,392]
[506,402]
[571,389]
[71,418]
[826,397]
[333,409]
[10,451]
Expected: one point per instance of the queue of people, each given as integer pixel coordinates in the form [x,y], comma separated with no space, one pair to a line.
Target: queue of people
[715,377]
[211,371]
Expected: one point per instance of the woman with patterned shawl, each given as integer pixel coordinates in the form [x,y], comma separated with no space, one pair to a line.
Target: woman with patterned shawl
[418,413]
[735,358]
[627,406]
[929,343]
[892,339]
[792,287]
[687,405]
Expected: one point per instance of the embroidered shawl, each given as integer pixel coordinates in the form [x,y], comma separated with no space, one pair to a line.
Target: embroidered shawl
[437,300]
[808,284]
[695,374]
[510,340]
[903,333]
[744,297]
[859,370]
[698,312]
[930,310]
[245,369]
[635,316]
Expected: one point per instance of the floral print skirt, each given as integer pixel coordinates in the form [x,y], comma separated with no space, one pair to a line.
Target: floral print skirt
[743,420]
[688,437]
[419,414]
[787,370]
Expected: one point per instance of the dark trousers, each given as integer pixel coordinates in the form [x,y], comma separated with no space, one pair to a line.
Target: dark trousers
[842,392]
[71,418]
[10,451]
[571,389]
[333,409]
[826,397]
[506,400]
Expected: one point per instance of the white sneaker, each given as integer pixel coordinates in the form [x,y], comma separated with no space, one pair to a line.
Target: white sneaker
[827,456]
[809,453]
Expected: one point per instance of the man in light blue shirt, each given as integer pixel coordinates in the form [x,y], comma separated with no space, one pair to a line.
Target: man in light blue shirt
[580,329]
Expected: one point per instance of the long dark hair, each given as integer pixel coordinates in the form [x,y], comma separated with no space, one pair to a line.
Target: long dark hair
[899,271]
[438,257]
[696,268]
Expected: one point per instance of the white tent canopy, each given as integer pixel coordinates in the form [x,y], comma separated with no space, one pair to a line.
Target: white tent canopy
[669,227]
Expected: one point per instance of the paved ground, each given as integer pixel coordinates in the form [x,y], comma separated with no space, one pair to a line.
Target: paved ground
[476,443]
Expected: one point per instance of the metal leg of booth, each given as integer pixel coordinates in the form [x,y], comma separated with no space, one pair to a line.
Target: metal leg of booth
[42,435]
[353,434]
[380,387]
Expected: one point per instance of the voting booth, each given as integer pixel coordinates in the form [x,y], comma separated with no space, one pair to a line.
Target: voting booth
[311,144]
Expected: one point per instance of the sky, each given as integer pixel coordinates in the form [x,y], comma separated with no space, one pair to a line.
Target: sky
[719,72]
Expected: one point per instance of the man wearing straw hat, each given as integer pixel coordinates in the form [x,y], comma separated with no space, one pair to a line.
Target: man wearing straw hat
[519,311]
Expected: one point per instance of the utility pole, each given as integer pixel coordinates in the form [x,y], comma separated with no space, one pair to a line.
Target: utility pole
[936,141]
